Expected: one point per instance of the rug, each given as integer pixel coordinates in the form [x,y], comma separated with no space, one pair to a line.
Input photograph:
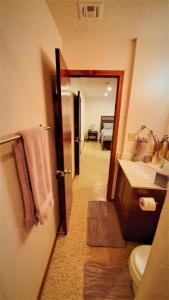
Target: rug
[105,283]
[103,227]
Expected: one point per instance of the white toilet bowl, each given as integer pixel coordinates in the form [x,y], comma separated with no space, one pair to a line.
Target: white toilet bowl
[137,264]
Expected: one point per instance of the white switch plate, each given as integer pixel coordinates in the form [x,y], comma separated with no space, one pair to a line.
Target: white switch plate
[132,136]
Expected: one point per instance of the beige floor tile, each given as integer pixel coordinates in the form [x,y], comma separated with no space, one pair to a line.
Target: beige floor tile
[65,276]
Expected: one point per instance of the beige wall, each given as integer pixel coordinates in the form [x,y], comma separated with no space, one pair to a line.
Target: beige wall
[29,37]
[149,101]
[104,54]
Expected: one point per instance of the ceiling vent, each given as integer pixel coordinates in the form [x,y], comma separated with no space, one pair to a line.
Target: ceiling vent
[90,10]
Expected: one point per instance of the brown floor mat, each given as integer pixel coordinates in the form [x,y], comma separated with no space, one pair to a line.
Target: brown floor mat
[103,227]
[103,282]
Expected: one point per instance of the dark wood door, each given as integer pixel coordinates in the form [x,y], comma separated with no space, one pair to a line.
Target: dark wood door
[62,114]
[77,131]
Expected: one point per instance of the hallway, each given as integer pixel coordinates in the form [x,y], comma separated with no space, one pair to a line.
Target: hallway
[65,276]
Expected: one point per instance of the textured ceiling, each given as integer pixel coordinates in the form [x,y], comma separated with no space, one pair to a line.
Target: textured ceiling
[95,87]
[121,18]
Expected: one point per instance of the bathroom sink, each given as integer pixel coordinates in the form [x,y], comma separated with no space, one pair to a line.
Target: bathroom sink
[140,174]
[143,170]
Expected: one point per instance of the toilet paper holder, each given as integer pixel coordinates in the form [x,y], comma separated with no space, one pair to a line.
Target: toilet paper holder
[147,204]
[142,202]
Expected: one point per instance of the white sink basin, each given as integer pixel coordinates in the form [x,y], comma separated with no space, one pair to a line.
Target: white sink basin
[139,174]
[143,170]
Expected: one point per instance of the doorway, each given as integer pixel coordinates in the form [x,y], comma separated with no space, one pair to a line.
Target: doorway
[119,75]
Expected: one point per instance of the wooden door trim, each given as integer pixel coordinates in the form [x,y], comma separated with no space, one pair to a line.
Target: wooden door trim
[119,74]
[96,73]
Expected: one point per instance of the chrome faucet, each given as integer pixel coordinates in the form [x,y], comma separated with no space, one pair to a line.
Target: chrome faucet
[164,165]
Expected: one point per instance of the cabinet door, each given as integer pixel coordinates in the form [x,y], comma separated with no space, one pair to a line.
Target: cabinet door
[126,199]
[141,225]
[120,184]
[137,225]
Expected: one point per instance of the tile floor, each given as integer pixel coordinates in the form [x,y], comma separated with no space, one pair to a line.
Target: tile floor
[65,276]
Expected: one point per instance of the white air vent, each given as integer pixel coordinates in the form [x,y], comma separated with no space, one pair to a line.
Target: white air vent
[90,10]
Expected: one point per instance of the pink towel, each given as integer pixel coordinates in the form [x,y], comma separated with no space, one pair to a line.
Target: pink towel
[28,204]
[36,156]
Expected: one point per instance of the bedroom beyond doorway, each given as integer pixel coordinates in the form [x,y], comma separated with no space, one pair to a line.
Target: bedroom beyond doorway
[97,110]
[119,76]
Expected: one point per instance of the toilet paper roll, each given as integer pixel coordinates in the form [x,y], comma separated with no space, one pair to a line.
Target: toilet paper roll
[147,203]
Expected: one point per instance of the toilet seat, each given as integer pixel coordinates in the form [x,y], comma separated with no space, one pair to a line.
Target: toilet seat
[137,262]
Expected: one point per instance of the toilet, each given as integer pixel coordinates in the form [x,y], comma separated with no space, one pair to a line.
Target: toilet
[137,263]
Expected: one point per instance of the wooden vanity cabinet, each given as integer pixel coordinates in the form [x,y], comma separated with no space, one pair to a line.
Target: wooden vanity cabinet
[137,225]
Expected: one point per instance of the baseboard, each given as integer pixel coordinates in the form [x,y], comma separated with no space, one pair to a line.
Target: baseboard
[47,266]
[111,200]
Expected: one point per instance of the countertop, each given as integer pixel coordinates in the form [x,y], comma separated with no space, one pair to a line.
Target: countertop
[139,174]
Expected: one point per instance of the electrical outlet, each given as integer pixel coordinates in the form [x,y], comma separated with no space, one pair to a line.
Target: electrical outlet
[132,136]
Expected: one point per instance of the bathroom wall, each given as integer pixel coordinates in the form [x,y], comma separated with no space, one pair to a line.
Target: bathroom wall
[104,53]
[149,101]
[28,39]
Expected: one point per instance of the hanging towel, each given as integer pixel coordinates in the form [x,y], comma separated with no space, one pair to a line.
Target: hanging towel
[36,156]
[28,203]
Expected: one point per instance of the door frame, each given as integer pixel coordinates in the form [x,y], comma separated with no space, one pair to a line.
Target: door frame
[119,74]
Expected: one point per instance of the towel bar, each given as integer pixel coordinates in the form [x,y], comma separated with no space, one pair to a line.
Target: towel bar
[16,137]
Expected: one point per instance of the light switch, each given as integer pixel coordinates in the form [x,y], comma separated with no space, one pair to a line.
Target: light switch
[132,136]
